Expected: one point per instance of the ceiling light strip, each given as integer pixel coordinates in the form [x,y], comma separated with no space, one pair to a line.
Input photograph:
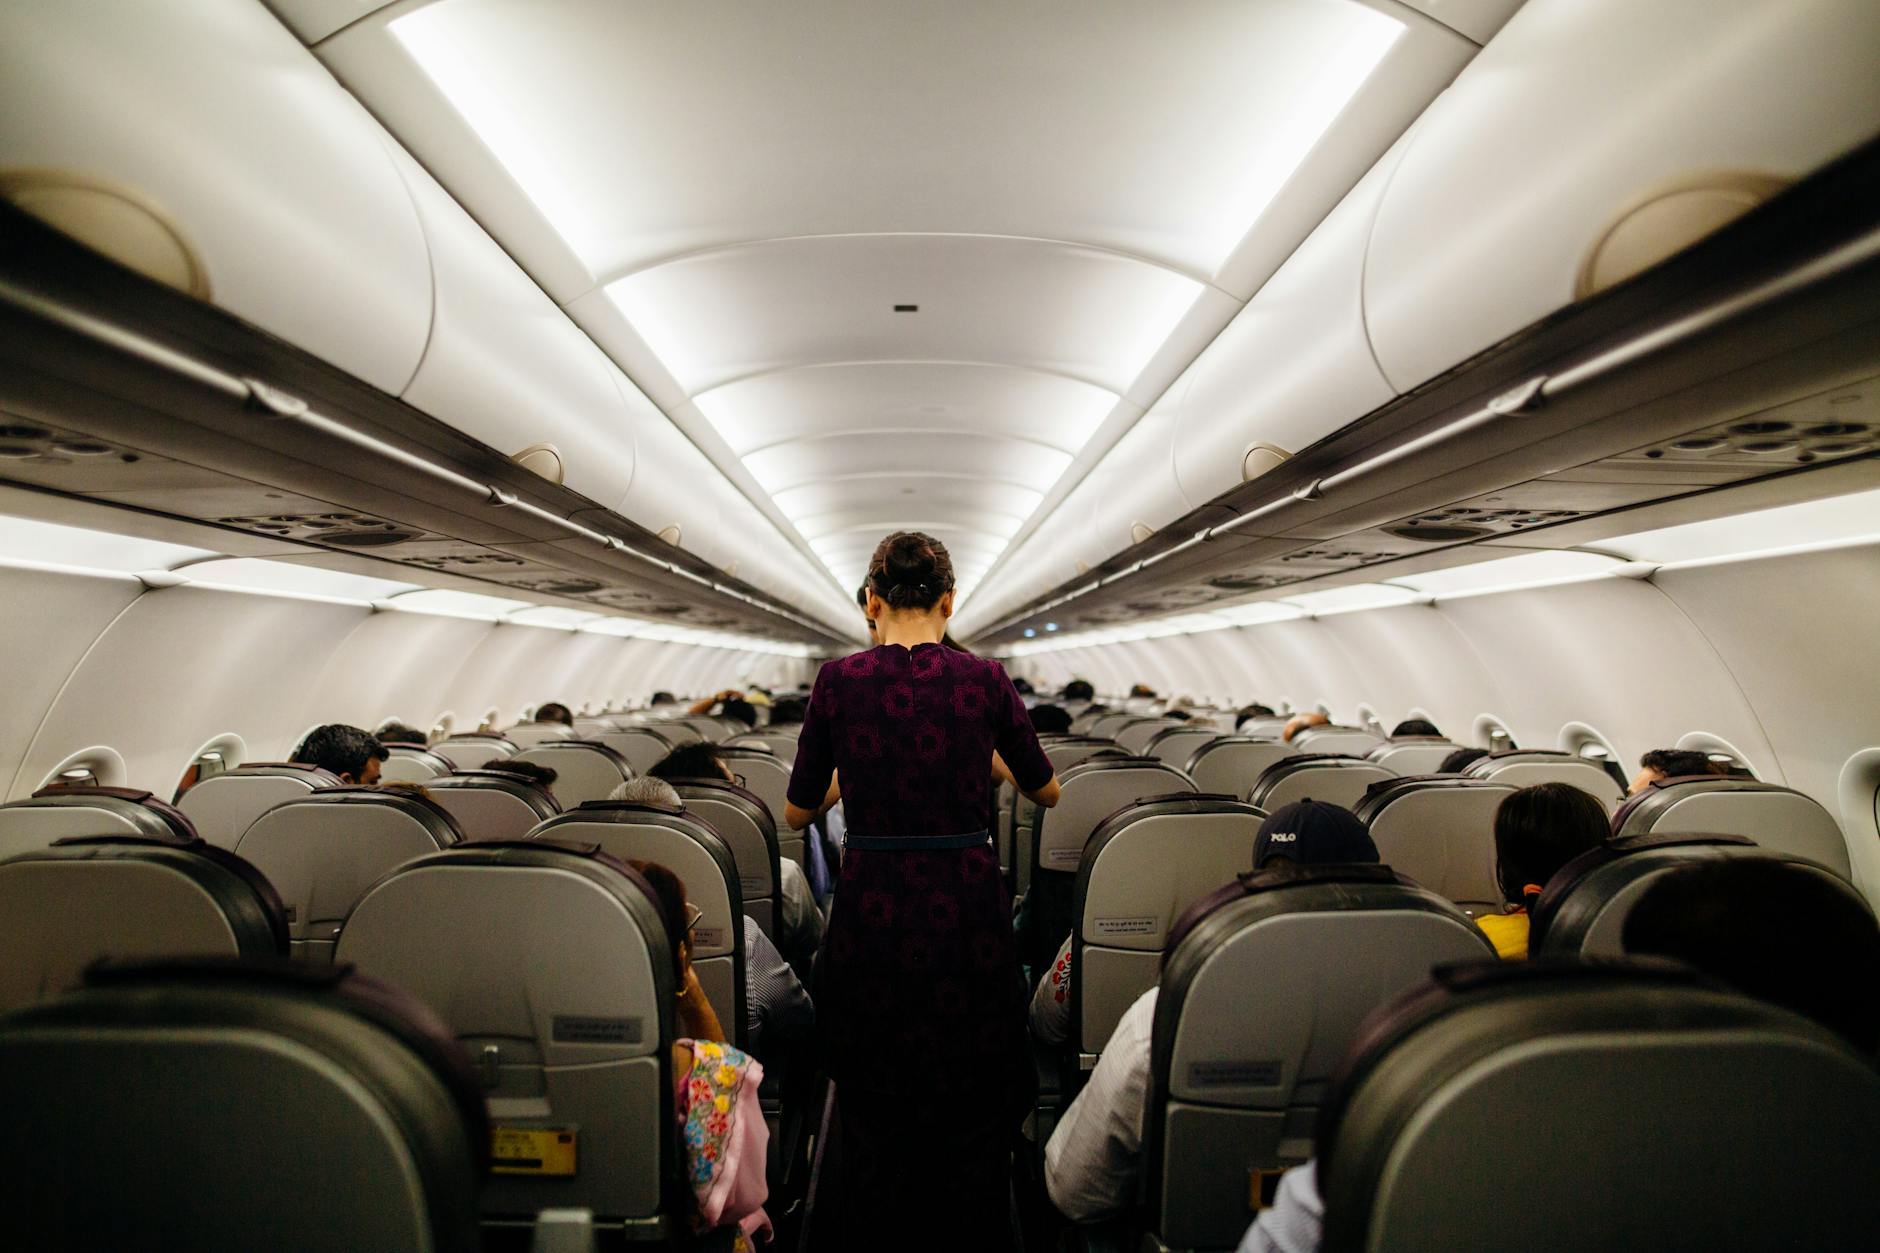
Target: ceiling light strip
[1530,395]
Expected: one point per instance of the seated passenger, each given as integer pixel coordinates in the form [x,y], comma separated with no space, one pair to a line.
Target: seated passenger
[1671,763]
[1460,760]
[799,922]
[720,1121]
[1415,726]
[1763,927]
[399,733]
[1078,689]
[787,710]
[555,712]
[647,790]
[1094,1157]
[1247,713]
[663,698]
[1050,719]
[730,703]
[529,771]
[1301,722]
[1538,830]
[350,754]
[1142,691]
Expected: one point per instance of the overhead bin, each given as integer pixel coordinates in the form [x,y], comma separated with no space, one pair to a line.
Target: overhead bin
[1592,137]
[202,145]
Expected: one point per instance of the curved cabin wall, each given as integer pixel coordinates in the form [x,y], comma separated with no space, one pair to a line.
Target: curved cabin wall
[1777,656]
[97,660]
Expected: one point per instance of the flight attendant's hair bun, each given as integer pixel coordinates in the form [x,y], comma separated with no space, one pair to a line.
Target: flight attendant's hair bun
[910,570]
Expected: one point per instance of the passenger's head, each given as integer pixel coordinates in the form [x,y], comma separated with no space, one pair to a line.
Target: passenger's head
[663,698]
[399,733]
[1772,930]
[669,893]
[910,575]
[1312,833]
[1415,726]
[533,772]
[1300,723]
[410,787]
[1246,713]
[1023,687]
[1180,715]
[648,790]
[1461,760]
[739,708]
[1538,830]
[1078,689]
[787,710]
[1142,691]
[347,752]
[1670,763]
[555,711]
[1050,719]
[692,761]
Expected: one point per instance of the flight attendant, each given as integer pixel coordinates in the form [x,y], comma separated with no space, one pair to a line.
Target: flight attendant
[919,997]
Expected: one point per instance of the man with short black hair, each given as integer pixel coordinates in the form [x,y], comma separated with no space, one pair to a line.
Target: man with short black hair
[1078,689]
[1415,726]
[1670,763]
[1460,760]
[555,712]
[399,733]
[349,753]
[1050,719]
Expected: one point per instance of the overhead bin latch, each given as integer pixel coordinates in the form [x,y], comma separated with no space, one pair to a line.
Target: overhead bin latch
[1315,490]
[273,400]
[1525,398]
[500,499]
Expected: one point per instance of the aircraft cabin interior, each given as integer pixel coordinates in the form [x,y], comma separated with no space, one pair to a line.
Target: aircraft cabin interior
[1219,625]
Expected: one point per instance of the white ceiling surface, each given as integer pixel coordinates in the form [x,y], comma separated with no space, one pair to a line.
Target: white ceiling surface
[731,198]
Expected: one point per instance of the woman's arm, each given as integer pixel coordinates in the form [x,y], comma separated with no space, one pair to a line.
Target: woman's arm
[705,706]
[1047,796]
[1001,771]
[697,1018]
[796,817]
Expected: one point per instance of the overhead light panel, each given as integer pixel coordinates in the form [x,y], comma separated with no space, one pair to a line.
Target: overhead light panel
[1507,574]
[1353,597]
[254,574]
[24,541]
[552,616]
[454,604]
[1849,519]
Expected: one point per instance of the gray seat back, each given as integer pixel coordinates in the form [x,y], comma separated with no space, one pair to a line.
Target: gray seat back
[691,848]
[588,728]
[472,750]
[1083,717]
[491,805]
[569,1024]
[1584,908]
[1232,764]
[1177,742]
[1439,831]
[1649,1081]
[766,777]
[706,727]
[408,763]
[1332,779]
[322,851]
[1108,723]
[1777,818]
[1525,767]
[1089,792]
[224,805]
[585,771]
[1134,736]
[745,825]
[1351,741]
[1265,987]
[1141,869]
[642,746]
[678,730]
[126,898]
[1413,754]
[1264,728]
[59,813]
[527,735]
[779,742]
[171,1106]
[1062,752]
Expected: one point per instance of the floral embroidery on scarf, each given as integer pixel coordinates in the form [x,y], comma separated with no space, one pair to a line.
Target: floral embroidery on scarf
[711,1092]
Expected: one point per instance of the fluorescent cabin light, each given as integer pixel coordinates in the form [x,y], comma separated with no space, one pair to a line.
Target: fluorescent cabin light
[29,542]
[622,627]
[1813,523]
[453,604]
[253,574]
[552,616]
[1349,599]
[1258,612]
[1507,574]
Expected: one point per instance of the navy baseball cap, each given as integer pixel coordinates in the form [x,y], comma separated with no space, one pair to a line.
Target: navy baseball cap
[1313,833]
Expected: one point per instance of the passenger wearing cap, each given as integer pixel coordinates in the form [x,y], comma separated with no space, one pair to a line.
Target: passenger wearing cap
[1094,1158]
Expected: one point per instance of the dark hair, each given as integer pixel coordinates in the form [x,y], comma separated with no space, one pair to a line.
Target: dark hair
[1023,687]
[1142,689]
[1180,715]
[786,710]
[742,710]
[669,895]
[1050,719]
[663,698]
[910,570]
[1676,763]
[555,711]
[340,749]
[1773,930]
[399,733]
[861,596]
[1461,760]
[1078,689]
[952,645]
[1538,830]
[691,761]
[1414,726]
[532,771]
[1255,710]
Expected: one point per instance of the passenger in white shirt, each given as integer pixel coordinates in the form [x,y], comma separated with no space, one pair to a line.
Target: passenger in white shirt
[1094,1159]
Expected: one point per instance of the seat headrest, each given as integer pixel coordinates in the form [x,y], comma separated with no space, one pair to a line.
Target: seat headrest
[1255,882]
[411,801]
[1546,907]
[177,820]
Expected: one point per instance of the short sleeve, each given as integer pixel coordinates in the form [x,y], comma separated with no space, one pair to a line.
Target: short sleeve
[1013,735]
[815,747]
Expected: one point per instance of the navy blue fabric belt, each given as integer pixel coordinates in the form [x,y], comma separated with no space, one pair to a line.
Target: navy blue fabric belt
[915,843]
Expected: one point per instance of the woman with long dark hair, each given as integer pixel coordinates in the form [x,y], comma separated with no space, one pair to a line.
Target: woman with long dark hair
[919,996]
